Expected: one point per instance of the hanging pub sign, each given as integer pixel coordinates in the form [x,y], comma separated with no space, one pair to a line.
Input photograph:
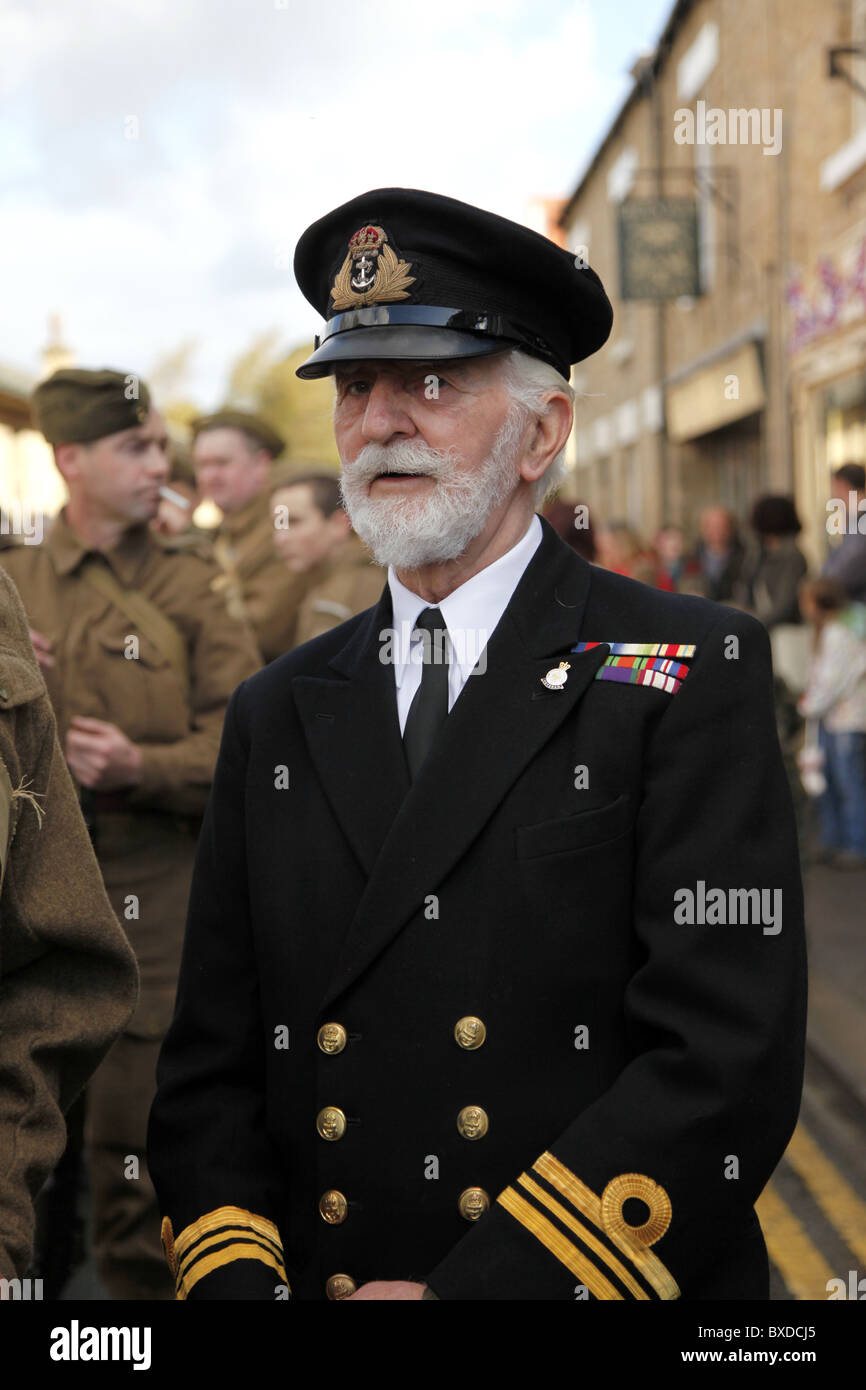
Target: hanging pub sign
[658,248]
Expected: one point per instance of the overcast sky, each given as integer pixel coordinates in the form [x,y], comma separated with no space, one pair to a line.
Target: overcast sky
[252,118]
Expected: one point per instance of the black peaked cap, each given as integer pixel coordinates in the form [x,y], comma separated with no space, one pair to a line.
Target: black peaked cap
[401,273]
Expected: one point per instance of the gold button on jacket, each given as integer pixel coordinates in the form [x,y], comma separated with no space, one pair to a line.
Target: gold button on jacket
[332,1038]
[472,1122]
[333,1207]
[470,1032]
[331,1122]
[340,1286]
[472,1203]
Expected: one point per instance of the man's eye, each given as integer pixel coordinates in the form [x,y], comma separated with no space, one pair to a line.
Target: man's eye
[355,388]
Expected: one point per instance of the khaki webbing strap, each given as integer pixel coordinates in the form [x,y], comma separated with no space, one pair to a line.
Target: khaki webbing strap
[149,619]
[229,581]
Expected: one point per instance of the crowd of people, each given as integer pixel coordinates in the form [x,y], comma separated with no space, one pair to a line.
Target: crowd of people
[816,623]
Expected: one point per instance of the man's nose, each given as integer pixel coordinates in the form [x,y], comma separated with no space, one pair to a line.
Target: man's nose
[157,462]
[385,414]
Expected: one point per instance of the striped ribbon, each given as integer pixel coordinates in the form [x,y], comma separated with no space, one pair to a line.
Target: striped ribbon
[643,663]
[641,648]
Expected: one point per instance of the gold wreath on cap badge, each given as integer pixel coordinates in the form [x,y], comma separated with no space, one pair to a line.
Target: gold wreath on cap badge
[555,679]
[371,273]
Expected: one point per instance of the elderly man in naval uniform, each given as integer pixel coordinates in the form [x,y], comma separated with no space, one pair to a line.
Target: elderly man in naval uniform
[493,983]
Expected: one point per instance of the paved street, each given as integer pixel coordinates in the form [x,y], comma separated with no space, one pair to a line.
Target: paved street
[813,1212]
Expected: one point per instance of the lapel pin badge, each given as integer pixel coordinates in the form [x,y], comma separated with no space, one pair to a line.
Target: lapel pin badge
[556,678]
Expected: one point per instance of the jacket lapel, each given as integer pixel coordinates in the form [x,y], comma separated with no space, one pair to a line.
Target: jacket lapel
[352,732]
[409,836]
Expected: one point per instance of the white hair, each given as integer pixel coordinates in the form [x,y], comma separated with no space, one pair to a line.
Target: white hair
[528,380]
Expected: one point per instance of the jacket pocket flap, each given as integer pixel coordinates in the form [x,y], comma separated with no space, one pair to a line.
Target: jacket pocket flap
[579,831]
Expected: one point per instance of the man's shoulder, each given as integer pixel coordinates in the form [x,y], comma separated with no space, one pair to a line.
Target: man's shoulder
[345,579]
[640,613]
[31,568]
[190,561]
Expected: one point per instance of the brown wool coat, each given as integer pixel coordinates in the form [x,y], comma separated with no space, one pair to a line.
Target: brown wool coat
[170,703]
[68,979]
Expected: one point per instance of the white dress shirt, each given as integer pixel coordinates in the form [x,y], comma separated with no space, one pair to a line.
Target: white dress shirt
[470,614]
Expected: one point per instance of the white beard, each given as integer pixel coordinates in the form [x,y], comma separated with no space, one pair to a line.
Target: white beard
[410,532]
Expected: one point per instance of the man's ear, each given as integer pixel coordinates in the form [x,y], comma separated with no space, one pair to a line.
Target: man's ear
[548,437]
[67,457]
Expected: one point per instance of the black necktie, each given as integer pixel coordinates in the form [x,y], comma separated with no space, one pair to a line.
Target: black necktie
[429,708]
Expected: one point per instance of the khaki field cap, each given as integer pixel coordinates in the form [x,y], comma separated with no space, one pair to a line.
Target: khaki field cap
[74,406]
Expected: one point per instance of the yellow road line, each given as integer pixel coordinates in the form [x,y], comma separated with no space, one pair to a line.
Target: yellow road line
[803,1268]
[837,1199]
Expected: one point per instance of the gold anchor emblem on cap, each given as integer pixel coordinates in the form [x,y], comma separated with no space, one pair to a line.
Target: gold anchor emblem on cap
[556,678]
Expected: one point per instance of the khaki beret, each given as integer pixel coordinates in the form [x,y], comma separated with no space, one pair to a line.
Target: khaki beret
[74,406]
[253,425]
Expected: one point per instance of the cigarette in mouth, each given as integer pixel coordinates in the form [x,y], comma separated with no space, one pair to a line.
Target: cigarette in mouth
[176,497]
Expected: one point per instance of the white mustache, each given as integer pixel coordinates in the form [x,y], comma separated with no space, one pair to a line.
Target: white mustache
[407,457]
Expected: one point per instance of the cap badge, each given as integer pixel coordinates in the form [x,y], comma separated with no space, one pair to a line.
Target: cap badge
[371,272]
[555,679]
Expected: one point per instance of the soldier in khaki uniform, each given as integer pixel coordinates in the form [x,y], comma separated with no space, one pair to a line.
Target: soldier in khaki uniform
[68,980]
[232,454]
[314,536]
[140,658]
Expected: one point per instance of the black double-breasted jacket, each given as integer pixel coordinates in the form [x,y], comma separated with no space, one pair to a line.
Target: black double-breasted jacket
[574,868]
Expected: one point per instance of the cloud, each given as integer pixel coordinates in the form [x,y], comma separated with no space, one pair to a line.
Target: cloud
[161,160]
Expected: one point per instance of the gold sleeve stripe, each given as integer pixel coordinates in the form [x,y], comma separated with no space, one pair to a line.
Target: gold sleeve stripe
[232,1234]
[557,1244]
[586,1236]
[225,1257]
[225,1216]
[584,1200]
[225,1233]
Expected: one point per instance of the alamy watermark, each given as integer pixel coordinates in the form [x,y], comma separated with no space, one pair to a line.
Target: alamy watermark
[846,517]
[738,126]
[18,519]
[468,647]
[21,1290]
[77,1343]
[703,906]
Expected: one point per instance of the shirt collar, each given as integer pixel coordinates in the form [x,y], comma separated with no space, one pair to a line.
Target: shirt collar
[68,550]
[471,611]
